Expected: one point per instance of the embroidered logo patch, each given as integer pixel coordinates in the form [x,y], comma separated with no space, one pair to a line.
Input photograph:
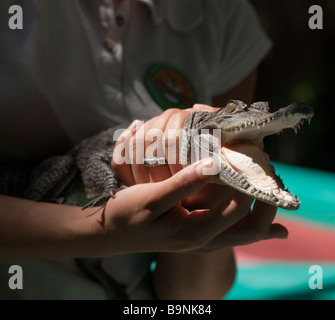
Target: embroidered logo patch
[169,87]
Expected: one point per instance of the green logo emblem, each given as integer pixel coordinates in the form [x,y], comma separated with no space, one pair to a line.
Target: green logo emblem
[169,87]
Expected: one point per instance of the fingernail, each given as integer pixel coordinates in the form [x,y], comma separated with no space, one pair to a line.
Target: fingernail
[206,167]
[130,130]
[135,125]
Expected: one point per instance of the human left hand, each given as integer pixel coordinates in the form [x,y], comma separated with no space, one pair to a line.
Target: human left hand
[139,134]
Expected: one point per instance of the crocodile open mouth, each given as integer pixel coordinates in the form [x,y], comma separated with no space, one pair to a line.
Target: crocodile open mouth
[244,164]
[247,164]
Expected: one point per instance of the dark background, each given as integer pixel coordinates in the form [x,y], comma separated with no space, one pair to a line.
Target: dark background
[300,67]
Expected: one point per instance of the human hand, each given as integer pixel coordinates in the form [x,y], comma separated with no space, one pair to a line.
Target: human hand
[166,128]
[139,137]
[151,217]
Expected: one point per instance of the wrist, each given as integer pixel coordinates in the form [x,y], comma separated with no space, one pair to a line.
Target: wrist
[87,233]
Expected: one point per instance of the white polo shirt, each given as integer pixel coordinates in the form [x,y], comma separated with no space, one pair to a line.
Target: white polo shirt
[78,67]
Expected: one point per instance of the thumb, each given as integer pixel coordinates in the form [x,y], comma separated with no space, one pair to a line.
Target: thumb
[277,231]
[167,193]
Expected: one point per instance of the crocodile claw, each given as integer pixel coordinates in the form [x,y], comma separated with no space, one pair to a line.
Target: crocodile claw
[105,196]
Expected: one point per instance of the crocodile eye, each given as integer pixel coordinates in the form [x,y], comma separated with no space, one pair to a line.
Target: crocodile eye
[230,107]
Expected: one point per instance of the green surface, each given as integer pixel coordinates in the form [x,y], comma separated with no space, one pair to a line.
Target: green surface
[275,281]
[316,190]
[289,280]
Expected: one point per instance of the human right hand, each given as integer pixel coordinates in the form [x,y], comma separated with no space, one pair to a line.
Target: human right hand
[151,217]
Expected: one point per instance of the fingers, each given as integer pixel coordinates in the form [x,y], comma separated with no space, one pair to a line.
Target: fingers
[232,209]
[167,130]
[261,217]
[204,107]
[252,228]
[159,134]
[121,154]
[225,214]
[208,196]
[277,231]
[172,138]
[154,145]
[162,196]
[261,220]
[158,137]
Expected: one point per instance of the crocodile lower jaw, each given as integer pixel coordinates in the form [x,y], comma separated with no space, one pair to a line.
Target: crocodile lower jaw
[246,167]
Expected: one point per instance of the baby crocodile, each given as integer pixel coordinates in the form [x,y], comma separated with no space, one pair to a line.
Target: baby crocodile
[238,150]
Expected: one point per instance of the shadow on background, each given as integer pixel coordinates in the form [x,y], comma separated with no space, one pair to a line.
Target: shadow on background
[300,67]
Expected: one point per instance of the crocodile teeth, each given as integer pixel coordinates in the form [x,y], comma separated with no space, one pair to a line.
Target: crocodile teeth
[228,169]
[295,130]
[285,205]
[309,120]
[280,203]
[246,185]
[252,190]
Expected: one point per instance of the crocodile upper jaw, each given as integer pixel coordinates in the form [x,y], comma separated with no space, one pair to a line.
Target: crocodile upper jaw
[244,164]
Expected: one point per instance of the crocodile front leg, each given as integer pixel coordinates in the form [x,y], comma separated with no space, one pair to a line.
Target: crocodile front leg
[100,180]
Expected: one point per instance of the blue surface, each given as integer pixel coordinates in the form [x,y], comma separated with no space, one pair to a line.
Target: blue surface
[268,280]
[275,281]
[316,190]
